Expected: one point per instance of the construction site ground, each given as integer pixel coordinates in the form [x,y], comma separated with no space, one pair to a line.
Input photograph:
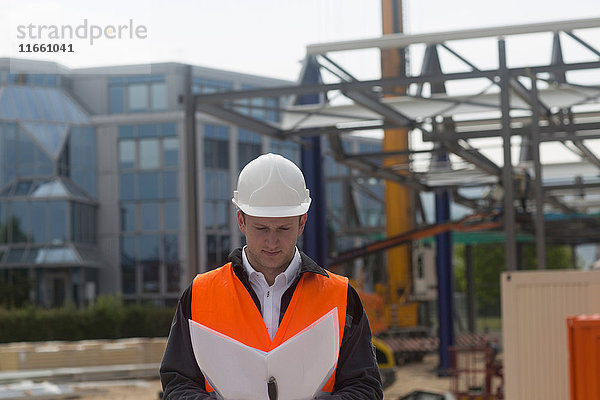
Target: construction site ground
[409,377]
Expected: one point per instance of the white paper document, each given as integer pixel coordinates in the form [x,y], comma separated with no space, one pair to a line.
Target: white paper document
[301,365]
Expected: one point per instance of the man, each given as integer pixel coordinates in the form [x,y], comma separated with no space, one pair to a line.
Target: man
[270,292]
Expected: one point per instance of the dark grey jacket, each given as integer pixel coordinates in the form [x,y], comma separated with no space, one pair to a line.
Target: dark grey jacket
[356,377]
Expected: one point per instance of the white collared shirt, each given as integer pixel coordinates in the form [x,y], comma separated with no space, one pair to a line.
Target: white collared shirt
[270,296]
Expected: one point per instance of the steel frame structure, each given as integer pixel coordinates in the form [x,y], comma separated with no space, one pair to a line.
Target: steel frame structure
[520,106]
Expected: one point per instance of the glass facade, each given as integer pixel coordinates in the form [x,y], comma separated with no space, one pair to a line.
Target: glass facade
[47,188]
[55,179]
[148,160]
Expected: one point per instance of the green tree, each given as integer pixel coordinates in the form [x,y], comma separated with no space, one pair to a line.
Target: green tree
[488,264]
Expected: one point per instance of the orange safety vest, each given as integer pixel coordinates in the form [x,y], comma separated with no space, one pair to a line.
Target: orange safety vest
[221,302]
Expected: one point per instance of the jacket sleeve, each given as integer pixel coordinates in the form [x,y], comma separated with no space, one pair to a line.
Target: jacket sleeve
[357,374]
[179,373]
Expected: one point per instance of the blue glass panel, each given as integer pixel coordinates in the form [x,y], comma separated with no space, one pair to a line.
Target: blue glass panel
[38,215]
[148,185]
[150,216]
[57,221]
[148,130]
[15,256]
[211,251]
[46,108]
[209,214]
[85,178]
[247,152]
[20,221]
[127,154]
[25,155]
[158,96]
[171,215]
[171,244]
[53,101]
[170,152]
[83,146]
[7,107]
[31,256]
[169,129]
[33,109]
[50,136]
[169,185]
[128,217]
[149,248]
[36,79]
[223,214]
[138,97]
[128,261]
[216,183]
[43,164]
[22,188]
[116,99]
[10,145]
[149,157]
[173,277]
[126,131]
[21,108]
[225,246]
[247,136]
[119,80]
[150,276]
[51,80]
[127,186]
[3,221]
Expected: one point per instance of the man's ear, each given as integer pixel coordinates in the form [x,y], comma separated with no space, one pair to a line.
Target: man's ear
[241,222]
[302,224]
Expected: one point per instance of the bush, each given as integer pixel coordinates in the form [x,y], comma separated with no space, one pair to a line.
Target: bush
[108,318]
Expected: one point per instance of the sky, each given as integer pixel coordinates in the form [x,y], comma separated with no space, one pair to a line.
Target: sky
[265,37]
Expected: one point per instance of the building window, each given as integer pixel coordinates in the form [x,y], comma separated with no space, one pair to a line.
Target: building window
[148,163]
[82,158]
[149,157]
[216,146]
[205,86]
[137,94]
[289,150]
[249,147]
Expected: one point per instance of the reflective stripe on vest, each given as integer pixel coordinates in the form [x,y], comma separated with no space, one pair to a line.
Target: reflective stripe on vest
[221,302]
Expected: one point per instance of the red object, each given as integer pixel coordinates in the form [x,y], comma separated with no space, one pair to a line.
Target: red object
[584,356]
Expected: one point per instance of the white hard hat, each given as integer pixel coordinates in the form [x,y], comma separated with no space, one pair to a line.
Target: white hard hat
[271,186]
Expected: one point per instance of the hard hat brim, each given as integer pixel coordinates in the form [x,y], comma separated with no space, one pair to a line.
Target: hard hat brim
[273,212]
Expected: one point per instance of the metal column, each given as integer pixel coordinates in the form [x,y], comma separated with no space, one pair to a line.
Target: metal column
[191,191]
[470,289]
[445,300]
[507,172]
[540,228]
[315,238]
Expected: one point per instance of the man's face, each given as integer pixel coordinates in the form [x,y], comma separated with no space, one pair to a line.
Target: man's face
[270,241]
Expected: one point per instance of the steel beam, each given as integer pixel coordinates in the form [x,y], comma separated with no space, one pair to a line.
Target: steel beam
[548,133]
[507,173]
[474,157]
[540,229]
[239,119]
[386,82]
[401,40]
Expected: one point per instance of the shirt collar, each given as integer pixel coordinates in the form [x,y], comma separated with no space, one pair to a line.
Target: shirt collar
[290,273]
